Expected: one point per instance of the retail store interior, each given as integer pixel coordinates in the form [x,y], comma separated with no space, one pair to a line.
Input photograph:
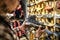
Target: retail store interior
[35,14]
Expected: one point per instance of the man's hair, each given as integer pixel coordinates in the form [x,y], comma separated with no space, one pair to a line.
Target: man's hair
[4,4]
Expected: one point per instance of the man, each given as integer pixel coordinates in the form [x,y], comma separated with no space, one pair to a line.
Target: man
[6,6]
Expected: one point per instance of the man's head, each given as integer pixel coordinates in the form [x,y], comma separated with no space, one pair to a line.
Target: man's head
[8,5]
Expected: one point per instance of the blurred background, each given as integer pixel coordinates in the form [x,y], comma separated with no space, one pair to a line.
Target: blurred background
[46,11]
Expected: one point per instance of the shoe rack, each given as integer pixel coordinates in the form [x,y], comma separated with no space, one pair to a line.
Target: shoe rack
[46,12]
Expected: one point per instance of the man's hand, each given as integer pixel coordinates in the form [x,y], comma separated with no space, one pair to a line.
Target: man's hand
[39,32]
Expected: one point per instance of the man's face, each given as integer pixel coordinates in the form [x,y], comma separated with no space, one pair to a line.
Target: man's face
[11,5]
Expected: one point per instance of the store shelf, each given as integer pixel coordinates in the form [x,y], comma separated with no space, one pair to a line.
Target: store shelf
[39,16]
[56,26]
[45,12]
[48,16]
[39,1]
[57,15]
